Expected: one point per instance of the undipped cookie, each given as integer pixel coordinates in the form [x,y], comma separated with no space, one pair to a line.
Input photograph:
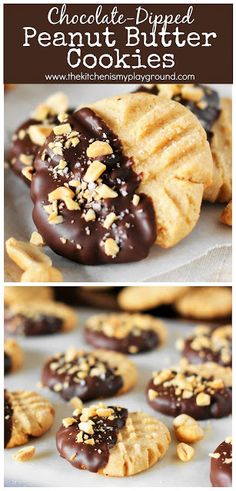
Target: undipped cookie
[26,414]
[127,333]
[24,294]
[208,344]
[13,356]
[221,465]
[100,373]
[112,441]
[136,298]
[215,115]
[201,391]
[127,167]
[208,303]
[37,317]
[31,134]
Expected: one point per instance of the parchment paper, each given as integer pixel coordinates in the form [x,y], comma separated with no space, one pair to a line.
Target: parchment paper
[207,236]
[48,469]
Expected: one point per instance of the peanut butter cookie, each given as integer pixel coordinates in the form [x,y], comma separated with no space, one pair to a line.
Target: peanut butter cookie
[88,376]
[112,441]
[104,178]
[206,303]
[127,333]
[37,318]
[208,344]
[201,391]
[13,356]
[26,414]
[136,298]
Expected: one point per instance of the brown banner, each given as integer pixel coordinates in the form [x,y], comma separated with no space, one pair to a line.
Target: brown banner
[71,43]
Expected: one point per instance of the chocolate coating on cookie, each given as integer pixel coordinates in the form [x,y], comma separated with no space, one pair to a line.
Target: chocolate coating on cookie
[7,363]
[207,110]
[82,375]
[100,218]
[132,344]
[94,455]
[8,419]
[221,465]
[173,393]
[126,333]
[209,344]
[37,325]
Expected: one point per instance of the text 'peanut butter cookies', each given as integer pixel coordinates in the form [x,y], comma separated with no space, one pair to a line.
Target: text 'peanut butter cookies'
[207,303]
[88,376]
[26,414]
[136,298]
[85,188]
[127,333]
[36,318]
[201,391]
[32,134]
[170,150]
[13,356]
[221,464]
[208,344]
[112,441]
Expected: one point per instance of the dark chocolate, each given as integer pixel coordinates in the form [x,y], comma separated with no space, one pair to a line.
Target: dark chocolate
[203,355]
[91,457]
[167,402]
[7,363]
[87,387]
[219,351]
[206,116]
[146,340]
[39,325]
[221,468]
[8,419]
[25,145]
[75,238]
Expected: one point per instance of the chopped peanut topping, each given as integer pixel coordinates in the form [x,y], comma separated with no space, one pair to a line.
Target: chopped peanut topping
[105,192]
[26,159]
[98,149]
[39,133]
[111,248]
[94,171]
[109,220]
[62,129]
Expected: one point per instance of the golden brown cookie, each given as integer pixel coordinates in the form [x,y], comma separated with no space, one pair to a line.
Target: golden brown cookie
[226,215]
[13,356]
[38,317]
[89,375]
[201,391]
[206,303]
[26,414]
[137,298]
[221,147]
[112,441]
[127,333]
[206,344]
[170,151]
[18,294]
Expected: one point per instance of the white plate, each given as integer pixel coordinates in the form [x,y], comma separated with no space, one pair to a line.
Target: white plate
[48,469]
[207,235]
